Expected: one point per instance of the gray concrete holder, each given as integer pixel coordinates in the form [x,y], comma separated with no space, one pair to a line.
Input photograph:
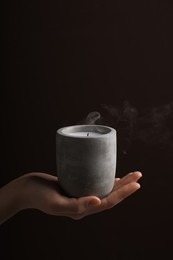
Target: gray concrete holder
[86,165]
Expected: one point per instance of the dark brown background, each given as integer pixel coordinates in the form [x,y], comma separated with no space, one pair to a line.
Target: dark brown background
[64,59]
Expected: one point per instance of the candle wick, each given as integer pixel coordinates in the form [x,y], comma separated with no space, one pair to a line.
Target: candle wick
[87,134]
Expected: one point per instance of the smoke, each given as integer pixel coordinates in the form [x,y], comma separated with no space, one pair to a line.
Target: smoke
[92,118]
[152,126]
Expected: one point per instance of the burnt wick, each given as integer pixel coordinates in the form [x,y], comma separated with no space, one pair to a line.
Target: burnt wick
[87,134]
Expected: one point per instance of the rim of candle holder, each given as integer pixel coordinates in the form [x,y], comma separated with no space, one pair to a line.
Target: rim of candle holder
[103,130]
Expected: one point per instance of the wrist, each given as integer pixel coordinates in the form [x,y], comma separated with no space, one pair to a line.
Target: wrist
[23,194]
[12,199]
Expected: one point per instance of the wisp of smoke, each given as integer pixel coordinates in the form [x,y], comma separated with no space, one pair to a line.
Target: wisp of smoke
[153,126]
[92,118]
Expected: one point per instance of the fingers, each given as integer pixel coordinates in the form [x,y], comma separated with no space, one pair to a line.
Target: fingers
[131,177]
[115,197]
[80,207]
[123,189]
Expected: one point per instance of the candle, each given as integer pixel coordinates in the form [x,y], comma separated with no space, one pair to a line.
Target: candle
[84,134]
[86,159]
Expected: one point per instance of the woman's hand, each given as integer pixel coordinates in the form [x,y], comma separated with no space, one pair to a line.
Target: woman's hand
[40,191]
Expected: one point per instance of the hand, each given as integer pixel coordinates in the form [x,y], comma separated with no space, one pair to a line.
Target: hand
[41,191]
[45,195]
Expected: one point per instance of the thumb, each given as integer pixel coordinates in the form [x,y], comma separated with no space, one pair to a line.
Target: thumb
[89,201]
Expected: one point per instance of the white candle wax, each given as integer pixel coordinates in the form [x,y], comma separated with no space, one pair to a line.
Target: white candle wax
[85,134]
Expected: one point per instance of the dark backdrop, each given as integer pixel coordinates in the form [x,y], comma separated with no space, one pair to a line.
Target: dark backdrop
[62,60]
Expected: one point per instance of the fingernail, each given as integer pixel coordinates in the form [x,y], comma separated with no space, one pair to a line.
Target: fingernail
[139,173]
[136,173]
[138,186]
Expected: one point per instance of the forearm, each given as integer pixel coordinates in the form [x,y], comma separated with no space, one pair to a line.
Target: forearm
[11,199]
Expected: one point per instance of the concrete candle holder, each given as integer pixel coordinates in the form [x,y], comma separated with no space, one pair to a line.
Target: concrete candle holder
[86,159]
